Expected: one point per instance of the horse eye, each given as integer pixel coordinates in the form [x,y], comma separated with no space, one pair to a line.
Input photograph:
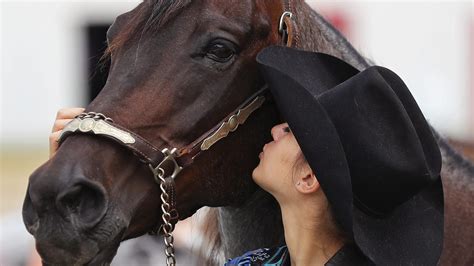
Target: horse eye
[220,52]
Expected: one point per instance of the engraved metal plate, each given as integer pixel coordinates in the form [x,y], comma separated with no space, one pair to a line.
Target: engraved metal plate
[98,127]
[232,123]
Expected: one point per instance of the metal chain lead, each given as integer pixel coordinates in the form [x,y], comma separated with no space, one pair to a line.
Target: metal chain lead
[159,175]
[96,116]
[166,217]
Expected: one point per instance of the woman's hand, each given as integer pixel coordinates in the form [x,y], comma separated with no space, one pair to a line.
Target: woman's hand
[63,117]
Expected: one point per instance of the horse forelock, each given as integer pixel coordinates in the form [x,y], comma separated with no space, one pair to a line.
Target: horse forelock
[148,16]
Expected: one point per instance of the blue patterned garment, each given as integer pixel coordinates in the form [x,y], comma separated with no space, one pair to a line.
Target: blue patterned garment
[262,257]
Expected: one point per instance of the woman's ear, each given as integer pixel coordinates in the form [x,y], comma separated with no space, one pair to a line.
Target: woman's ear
[307,183]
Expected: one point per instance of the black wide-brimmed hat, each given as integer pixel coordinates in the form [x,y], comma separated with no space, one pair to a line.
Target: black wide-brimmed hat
[370,147]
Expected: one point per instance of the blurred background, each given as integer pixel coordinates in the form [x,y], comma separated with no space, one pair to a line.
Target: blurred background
[50,49]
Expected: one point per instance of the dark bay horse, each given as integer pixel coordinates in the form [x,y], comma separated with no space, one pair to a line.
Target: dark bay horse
[178,68]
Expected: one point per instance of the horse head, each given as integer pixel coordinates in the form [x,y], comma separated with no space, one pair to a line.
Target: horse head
[178,68]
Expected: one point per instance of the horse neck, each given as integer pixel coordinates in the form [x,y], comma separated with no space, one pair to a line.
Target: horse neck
[457,175]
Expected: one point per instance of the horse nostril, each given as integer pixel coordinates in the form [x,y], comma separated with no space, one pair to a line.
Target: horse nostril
[84,202]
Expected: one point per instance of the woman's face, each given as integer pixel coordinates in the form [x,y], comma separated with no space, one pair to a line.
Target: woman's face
[275,169]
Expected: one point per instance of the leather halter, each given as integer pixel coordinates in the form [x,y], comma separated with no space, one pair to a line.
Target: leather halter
[170,162]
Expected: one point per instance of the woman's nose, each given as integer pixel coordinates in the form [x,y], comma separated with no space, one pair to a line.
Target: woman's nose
[279,130]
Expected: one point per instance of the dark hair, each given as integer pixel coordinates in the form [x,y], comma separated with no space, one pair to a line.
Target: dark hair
[299,162]
[148,16]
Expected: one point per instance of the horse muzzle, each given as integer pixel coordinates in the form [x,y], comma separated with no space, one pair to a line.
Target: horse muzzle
[71,221]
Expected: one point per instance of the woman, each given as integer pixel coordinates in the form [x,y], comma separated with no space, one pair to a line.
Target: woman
[355,170]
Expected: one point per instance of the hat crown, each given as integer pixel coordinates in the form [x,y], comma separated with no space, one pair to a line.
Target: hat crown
[385,155]
[388,146]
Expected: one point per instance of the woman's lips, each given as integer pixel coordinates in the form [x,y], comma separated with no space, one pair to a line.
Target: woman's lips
[261,153]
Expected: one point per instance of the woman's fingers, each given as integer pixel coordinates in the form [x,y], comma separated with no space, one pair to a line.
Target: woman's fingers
[53,143]
[59,124]
[69,113]
[64,116]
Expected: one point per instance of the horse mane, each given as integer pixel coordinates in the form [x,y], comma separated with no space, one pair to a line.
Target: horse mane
[148,16]
[317,35]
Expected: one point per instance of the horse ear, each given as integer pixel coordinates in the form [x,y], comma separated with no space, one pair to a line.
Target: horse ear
[307,183]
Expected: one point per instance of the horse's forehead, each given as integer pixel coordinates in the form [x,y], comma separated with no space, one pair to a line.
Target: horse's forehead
[246,14]
[234,9]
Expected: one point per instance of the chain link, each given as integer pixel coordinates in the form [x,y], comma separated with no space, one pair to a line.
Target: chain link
[166,217]
[96,116]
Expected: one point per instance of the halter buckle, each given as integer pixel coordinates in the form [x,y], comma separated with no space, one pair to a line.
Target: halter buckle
[168,163]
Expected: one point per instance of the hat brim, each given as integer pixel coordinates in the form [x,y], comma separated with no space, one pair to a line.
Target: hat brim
[412,234]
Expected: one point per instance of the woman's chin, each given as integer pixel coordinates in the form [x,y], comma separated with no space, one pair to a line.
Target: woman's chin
[255,174]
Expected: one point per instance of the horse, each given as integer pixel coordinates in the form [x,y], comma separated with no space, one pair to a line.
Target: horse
[178,70]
